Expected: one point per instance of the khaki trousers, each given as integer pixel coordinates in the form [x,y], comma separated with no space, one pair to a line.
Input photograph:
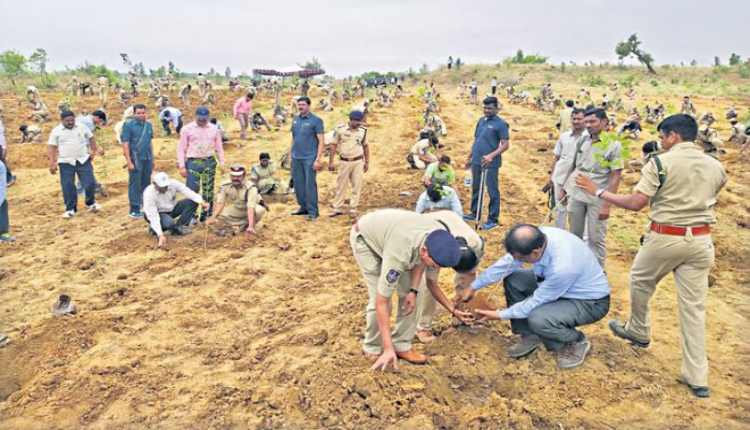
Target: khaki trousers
[350,172]
[103,96]
[406,325]
[690,259]
[585,216]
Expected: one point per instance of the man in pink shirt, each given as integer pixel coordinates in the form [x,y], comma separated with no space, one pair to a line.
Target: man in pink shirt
[242,109]
[200,145]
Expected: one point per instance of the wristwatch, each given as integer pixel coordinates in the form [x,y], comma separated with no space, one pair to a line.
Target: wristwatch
[412,290]
[599,192]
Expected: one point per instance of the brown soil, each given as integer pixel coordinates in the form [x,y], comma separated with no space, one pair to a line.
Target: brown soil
[264,333]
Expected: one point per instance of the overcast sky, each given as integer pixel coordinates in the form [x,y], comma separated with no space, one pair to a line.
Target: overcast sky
[351,37]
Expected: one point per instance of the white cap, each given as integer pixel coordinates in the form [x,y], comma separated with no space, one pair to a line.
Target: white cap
[161,179]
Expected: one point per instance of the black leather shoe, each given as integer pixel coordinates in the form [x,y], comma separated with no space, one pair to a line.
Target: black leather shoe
[618,329]
[299,212]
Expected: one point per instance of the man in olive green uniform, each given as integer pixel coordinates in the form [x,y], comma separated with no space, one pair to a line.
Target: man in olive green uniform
[393,248]
[682,185]
[472,249]
[604,166]
[262,175]
[239,205]
[351,143]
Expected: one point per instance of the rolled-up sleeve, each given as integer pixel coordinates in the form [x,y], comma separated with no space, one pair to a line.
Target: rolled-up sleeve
[501,269]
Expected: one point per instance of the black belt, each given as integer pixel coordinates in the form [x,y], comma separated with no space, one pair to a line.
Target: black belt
[351,159]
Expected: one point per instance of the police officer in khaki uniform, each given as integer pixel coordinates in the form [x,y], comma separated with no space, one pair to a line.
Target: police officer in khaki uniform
[472,249]
[351,143]
[393,248]
[681,185]
[261,175]
[239,205]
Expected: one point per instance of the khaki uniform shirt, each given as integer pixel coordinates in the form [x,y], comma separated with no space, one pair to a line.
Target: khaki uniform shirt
[350,143]
[688,195]
[396,236]
[458,228]
[258,172]
[236,203]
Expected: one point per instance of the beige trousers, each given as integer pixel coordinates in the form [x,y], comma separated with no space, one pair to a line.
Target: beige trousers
[103,96]
[585,216]
[406,325]
[690,259]
[350,172]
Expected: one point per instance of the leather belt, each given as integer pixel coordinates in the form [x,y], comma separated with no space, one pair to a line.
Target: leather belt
[352,159]
[674,230]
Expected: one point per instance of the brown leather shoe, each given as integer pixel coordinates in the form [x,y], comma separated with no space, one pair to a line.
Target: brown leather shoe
[412,356]
[425,336]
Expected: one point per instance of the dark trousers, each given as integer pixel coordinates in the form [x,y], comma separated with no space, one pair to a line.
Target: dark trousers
[555,322]
[4,220]
[165,123]
[138,180]
[305,185]
[493,189]
[180,216]
[494,90]
[205,169]
[85,173]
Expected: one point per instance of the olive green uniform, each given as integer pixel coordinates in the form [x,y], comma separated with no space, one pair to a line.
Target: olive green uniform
[265,181]
[386,246]
[691,183]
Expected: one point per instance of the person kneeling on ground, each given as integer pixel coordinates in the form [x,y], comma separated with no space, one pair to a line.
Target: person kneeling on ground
[437,197]
[262,175]
[238,205]
[566,288]
[163,212]
[422,153]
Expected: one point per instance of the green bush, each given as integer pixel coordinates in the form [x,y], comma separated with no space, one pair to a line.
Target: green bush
[593,81]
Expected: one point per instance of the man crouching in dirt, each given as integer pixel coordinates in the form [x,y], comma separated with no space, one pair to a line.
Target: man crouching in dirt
[162,211]
[565,288]
[239,205]
[393,248]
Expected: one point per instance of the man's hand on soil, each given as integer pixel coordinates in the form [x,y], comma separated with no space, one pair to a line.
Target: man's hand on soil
[162,241]
[463,316]
[388,355]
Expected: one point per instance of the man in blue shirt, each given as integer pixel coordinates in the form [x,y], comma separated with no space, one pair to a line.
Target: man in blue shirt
[307,148]
[136,146]
[491,139]
[565,288]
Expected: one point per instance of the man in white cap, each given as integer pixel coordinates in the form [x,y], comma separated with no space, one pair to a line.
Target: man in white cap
[162,210]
